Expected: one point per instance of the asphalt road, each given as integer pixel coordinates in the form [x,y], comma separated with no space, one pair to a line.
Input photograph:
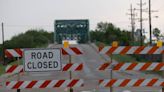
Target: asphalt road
[91,60]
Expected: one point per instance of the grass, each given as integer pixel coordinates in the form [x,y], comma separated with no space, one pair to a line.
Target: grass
[123,58]
[2,69]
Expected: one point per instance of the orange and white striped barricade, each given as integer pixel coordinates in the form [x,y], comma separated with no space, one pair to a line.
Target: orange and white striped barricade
[132,66]
[10,53]
[71,51]
[44,84]
[65,67]
[131,83]
[132,50]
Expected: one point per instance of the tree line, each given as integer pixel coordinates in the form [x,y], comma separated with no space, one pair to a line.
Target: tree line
[31,39]
[107,33]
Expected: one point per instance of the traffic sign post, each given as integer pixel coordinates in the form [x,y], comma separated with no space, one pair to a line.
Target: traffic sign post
[41,60]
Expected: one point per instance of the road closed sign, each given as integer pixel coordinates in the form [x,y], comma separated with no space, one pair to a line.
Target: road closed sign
[40,60]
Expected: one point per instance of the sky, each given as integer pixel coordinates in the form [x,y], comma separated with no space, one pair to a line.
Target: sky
[20,15]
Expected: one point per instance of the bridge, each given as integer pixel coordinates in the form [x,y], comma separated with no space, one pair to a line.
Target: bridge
[71,30]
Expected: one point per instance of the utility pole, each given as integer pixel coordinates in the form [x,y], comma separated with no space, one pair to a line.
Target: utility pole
[150,26]
[132,18]
[150,21]
[3,47]
[141,39]
[141,19]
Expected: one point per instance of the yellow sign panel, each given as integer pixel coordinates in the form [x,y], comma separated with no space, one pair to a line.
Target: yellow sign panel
[159,44]
[114,44]
[66,44]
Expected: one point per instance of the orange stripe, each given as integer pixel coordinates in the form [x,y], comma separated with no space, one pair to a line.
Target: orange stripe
[59,83]
[45,84]
[159,66]
[72,83]
[100,48]
[124,83]
[104,66]
[162,52]
[100,81]
[152,82]
[118,66]
[139,49]
[17,85]
[152,50]
[145,66]
[67,67]
[8,54]
[76,50]
[111,50]
[19,51]
[31,84]
[7,83]
[110,83]
[162,84]
[132,65]
[80,67]
[64,52]
[138,82]
[12,68]
[126,49]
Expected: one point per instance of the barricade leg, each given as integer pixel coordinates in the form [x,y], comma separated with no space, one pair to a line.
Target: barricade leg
[71,89]
[163,71]
[18,90]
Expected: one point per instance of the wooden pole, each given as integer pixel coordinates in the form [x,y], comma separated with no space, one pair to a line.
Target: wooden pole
[150,25]
[3,47]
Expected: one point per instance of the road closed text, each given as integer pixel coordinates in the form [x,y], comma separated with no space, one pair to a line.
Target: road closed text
[42,65]
[42,59]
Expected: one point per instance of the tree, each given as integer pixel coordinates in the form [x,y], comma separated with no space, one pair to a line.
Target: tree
[107,33]
[103,26]
[31,39]
[156,33]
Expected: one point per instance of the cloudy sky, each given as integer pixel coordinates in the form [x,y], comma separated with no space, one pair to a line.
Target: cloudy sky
[20,15]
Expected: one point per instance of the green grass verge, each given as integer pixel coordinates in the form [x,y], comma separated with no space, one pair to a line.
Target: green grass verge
[2,69]
[123,58]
